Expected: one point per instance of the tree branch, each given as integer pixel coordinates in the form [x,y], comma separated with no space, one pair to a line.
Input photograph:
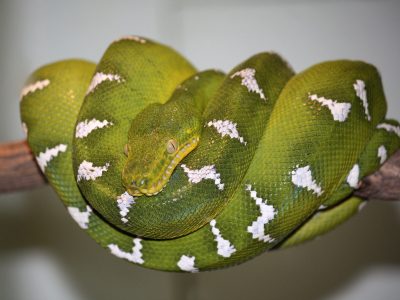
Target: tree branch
[384,184]
[19,171]
[18,168]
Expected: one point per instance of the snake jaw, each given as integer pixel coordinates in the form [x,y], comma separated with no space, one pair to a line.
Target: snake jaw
[134,192]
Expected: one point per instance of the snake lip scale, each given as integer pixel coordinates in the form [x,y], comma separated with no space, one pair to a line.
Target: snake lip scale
[176,169]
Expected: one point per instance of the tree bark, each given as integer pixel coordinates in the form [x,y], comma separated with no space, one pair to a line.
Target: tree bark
[384,184]
[18,168]
[19,171]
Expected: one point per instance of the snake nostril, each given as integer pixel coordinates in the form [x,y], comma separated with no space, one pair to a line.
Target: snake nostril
[143,182]
[139,183]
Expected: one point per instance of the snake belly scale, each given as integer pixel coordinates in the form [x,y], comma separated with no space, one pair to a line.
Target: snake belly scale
[180,170]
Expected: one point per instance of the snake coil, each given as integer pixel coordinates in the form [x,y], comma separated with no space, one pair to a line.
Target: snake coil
[271,160]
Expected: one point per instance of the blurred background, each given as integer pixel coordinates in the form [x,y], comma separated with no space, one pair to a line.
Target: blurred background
[45,255]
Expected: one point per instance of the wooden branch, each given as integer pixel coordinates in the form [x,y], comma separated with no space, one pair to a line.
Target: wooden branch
[18,168]
[384,184]
[19,171]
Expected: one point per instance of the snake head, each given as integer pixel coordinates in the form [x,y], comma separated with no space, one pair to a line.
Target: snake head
[159,138]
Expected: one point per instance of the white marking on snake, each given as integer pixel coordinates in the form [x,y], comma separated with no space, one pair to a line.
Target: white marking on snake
[80,217]
[225,248]
[99,78]
[226,127]
[361,93]
[38,85]
[124,203]
[45,157]
[389,128]
[268,213]
[339,111]
[135,256]
[132,38]
[87,171]
[206,172]
[25,128]
[249,81]
[352,178]
[85,127]
[382,153]
[186,263]
[302,177]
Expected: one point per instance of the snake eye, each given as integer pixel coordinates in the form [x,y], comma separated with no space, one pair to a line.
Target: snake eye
[172,146]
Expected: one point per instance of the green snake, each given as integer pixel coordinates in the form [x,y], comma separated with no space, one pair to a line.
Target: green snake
[179,170]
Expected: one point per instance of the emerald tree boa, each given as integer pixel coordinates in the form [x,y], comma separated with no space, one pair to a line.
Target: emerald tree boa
[176,169]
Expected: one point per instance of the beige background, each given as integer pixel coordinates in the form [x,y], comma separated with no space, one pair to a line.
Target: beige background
[44,255]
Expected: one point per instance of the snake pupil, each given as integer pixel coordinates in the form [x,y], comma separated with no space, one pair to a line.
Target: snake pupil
[126,149]
[172,146]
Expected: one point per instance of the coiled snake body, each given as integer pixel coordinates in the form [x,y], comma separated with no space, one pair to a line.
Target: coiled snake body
[180,170]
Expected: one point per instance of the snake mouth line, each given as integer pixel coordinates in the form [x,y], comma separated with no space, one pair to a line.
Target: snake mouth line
[153,187]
